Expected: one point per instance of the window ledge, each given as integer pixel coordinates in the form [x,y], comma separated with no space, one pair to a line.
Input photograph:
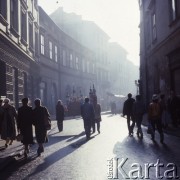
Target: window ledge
[3,20]
[31,49]
[14,32]
[23,41]
[24,4]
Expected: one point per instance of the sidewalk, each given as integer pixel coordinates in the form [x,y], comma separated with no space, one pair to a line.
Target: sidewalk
[169,130]
[14,151]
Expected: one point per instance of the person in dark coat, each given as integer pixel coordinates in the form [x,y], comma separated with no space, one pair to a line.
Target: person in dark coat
[128,111]
[39,114]
[25,122]
[87,113]
[97,110]
[60,115]
[138,111]
[8,126]
[1,113]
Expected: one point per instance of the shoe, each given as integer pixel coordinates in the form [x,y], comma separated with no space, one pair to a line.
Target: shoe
[10,143]
[40,150]
[6,145]
[99,131]
[46,140]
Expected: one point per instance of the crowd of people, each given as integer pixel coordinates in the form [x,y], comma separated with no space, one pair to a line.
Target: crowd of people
[14,123]
[160,113]
[18,124]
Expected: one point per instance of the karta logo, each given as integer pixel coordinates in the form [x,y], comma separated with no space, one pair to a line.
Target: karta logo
[117,170]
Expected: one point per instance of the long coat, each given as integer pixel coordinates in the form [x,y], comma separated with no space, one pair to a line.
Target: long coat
[25,121]
[59,112]
[8,126]
[40,128]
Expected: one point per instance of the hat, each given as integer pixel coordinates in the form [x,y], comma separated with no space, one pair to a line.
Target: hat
[155,97]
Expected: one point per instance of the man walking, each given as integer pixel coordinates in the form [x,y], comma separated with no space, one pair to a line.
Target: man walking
[87,113]
[128,111]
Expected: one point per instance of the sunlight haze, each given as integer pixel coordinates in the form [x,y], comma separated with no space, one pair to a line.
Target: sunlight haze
[118,18]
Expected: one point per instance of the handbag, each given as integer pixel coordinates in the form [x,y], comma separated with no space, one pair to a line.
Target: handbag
[19,137]
[47,122]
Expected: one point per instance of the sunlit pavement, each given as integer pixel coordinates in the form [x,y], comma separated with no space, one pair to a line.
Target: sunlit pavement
[69,156]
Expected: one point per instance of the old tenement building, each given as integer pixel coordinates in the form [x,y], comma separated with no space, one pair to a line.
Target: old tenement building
[66,66]
[159,47]
[37,59]
[19,31]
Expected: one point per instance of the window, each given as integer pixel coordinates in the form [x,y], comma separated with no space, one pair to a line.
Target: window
[87,66]
[50,49]
[64,58]
[154,26]
[31,35]
[174,9]
[93,68]
[56,53]
[77,63]
[42,44]
[14,14]
[3,8]
[36,43]
[23,25]
[71,61]
[83,65]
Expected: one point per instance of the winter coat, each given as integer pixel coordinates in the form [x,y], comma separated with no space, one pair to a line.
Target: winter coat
[154,111]
[128,107]
[8,126]
[39,123]
[25,121]
[97,110]
[87,112]
[59,112]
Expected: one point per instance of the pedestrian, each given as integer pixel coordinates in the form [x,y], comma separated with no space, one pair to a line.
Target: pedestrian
[25,122]
[174,108]
[97,110]
[138,111]
[128,111]
[39,114]
[154,117]
[8,126]
[60,115]
[87,113]
[1,113]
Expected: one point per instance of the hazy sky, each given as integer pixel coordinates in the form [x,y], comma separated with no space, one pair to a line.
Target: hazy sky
[118,18]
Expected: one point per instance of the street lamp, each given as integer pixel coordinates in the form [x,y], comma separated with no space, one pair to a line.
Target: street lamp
[137,83]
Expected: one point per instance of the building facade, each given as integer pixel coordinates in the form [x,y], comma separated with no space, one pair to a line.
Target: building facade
[88,34]
[159,47]
[66,66]
[123,73]
[19,32]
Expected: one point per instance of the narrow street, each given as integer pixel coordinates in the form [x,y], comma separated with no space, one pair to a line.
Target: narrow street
[68,156]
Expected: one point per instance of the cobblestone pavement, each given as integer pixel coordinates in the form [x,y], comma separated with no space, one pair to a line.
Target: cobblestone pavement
[69,157]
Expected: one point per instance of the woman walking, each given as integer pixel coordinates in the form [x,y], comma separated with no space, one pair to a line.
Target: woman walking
[25,121]
[39,114]
[60,115]
[8,128]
